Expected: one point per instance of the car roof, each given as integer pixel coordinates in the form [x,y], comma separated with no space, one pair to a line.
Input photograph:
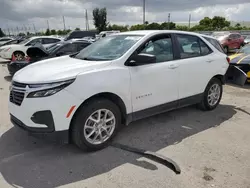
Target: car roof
[36,37]
[152,32]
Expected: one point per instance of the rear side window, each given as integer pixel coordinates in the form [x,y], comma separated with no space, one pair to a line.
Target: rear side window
[192,46]
[67,48]
[50,40]
[215,43]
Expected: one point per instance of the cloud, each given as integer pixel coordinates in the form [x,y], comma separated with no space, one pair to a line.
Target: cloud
[20,13]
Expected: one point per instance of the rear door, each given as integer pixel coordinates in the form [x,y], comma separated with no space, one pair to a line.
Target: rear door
[195,65]
[67,49]
[81,45]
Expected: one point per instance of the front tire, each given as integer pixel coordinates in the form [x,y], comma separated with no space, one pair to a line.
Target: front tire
[95,124]
[19,56]
[212,95]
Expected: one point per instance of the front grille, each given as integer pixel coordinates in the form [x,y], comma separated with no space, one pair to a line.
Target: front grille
[16,97]
[17,84]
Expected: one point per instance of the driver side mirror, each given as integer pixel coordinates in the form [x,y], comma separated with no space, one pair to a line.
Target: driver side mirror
[142,59]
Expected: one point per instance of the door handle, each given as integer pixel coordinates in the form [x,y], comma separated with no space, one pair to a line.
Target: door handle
[173,66]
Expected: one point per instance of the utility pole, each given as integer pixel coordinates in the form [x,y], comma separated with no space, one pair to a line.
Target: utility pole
[168,21]
[9,31]
[48,24]
[189,20]
[87,20]
[144,10]
[17,30]
[34,27]
[64,26]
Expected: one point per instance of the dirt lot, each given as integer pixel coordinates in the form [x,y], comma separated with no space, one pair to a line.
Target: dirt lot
[212,149]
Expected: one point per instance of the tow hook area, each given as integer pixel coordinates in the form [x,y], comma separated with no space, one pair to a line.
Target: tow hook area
[235,75]
[150,155]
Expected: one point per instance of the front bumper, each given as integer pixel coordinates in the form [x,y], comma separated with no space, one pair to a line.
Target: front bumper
[5,55]
[46,114]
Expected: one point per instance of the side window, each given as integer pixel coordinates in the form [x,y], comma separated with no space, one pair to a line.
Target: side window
[160,47]
[33,42]
[192,46]
[205,50]
[215,43]
[81,46]
[50,40]
[68,48]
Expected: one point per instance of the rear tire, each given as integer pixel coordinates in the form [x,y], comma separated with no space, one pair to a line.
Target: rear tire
[95,124]
[212,95]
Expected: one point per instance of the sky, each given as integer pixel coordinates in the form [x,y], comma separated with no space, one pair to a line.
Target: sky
[37,14]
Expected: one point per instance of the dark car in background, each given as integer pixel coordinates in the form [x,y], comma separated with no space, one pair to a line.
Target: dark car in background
[37,53]
[80,34]
[13,41]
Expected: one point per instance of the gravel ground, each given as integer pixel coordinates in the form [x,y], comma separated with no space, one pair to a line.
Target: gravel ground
[212,149]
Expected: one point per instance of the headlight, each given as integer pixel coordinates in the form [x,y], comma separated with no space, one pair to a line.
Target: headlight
[45,90]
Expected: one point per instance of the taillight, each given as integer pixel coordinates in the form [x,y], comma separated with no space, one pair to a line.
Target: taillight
[13,58]
[228,59]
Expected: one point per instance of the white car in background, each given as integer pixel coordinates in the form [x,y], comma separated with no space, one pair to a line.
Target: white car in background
[19,50]
[5,39]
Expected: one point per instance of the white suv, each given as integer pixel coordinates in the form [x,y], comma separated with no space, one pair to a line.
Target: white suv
[119,79]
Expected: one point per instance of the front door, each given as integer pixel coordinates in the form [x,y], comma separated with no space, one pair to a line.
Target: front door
[155,85]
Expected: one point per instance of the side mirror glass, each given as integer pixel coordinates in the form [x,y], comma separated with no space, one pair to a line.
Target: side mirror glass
[142,59]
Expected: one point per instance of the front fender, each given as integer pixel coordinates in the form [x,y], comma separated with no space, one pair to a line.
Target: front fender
[115,80]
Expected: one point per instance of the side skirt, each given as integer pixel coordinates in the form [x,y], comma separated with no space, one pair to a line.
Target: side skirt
[163,108]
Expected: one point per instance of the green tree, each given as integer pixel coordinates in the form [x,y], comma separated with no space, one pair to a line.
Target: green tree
[137,27]
[77,29]
[219,23]
[166,25]
[117,27]
[153,26]
[100,19]
[60,32]
[47,33]
[53,32]
[1,33]
[206,22]
[182,28]
[238,26]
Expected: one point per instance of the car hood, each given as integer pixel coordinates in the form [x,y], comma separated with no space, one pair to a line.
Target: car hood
[240,58]
[56,69]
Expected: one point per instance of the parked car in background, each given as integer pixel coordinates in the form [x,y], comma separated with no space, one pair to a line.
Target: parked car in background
[4,40]
[19,50]
[231,41]
[105,33]
[13,41]
[38,53]
[80,34]
[122,78]
[240,66]
[247,39]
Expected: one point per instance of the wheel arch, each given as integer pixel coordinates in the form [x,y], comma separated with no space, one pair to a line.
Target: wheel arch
[106,95]
[221,78]
[18,51]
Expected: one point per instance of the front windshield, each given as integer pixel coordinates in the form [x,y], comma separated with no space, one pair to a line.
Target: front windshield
[245,49]
[109,48]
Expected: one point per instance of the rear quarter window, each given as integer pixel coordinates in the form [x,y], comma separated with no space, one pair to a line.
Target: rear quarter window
[215,43]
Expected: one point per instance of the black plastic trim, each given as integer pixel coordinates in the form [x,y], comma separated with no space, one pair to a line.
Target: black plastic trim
[45,118]
[15,121]
[164,108]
